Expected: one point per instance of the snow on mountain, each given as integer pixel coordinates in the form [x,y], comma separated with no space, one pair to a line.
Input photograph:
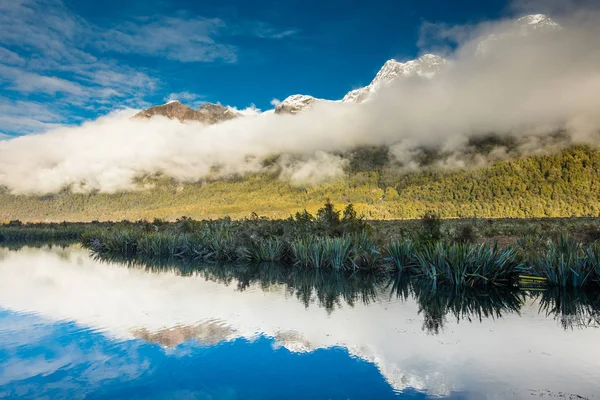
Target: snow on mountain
[536,23]
[296,103]
[425,66]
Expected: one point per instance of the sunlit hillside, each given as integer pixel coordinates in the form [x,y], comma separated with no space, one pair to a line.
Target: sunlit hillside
[560,185]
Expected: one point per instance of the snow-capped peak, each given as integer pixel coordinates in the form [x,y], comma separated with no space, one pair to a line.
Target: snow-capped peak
[537,21]
[526,25]
[296,103]
[425,66]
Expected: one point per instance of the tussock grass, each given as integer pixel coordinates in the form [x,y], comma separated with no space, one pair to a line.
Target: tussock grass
[565,263]
[345,242]
[25,233]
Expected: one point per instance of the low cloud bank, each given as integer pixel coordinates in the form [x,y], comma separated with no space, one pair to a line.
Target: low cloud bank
[541,89]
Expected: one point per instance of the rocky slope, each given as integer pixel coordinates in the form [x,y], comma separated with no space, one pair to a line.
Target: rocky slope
[208,113]
[425,66]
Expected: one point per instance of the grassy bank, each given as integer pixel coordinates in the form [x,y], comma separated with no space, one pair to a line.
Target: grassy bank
[472,253]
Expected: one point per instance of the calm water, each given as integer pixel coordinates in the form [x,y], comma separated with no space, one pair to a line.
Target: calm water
[72,327]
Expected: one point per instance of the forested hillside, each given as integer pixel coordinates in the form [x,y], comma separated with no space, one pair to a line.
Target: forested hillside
[560,185]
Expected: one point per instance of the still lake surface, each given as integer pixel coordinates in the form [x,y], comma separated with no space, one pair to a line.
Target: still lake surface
[72,327]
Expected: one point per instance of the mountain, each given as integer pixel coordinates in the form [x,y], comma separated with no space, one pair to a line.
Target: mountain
[208,113]
[296,103]
[425,66]
[536,22]
[524,26]
[213,113]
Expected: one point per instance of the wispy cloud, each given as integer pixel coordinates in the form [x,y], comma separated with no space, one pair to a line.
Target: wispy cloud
[48,50]
[268,31]
[27,116]
[44,53]
[191,99]
[23,81]
[8,57]
[182,38]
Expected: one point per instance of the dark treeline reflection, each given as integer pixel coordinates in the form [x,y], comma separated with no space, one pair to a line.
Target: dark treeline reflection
[572,308]
[436,303]
[329,289]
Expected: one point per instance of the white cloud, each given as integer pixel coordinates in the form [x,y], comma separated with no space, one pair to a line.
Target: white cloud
[183,96]
[528,88]
[192,100]
[27,116]
[45,48]
[268,31]
[251,110]
[10,57]
[24,81]
[178,38]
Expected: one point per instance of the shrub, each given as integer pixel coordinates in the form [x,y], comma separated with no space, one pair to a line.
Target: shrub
[431,227]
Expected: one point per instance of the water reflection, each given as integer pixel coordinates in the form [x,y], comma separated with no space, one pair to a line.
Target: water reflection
[74,325]
[573,308]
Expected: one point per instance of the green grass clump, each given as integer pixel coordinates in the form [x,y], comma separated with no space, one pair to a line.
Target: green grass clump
[122,242]
[308,252]
[365,251]
[324,252]
[565,263]
[401,254]
[267,250]
[466,264]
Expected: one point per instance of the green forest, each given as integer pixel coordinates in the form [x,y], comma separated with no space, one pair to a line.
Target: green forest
[564,184]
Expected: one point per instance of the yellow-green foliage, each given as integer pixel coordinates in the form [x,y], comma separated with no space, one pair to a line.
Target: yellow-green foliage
[560,185]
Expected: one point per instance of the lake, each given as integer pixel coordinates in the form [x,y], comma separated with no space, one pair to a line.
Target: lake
[72,327]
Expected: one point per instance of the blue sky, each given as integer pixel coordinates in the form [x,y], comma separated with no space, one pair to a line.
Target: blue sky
[62,62]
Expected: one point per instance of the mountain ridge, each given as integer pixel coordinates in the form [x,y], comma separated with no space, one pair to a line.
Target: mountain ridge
[208,113]
[425,66]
